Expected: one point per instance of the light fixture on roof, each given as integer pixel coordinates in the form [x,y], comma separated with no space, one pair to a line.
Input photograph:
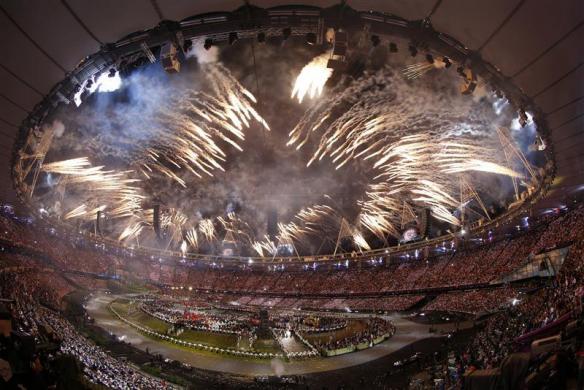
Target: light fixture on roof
[232,37]
[340,47]
[470,80]
[169,58]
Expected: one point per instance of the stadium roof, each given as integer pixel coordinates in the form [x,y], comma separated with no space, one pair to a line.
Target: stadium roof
[535,43]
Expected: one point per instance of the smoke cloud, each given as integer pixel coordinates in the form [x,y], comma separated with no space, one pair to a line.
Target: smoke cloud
[112,129]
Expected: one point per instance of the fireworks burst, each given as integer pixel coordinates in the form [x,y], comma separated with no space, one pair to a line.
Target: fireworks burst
[413,143]
[387,127]
[312,78]
[192,237]
[238,228]
[113,192]
[417,70]
[192,124]
[207,229]
[265,247]
[186,134]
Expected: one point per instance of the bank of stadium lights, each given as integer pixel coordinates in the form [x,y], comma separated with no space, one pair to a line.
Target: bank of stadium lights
[106,82]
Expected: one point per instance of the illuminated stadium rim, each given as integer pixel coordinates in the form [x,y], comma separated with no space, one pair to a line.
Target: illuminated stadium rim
[248,22]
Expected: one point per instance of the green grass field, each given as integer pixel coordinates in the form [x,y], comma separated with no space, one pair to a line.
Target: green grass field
[220,340]
[132,313]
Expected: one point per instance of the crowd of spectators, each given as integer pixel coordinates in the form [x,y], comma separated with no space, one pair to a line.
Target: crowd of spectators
[539,313]
[481,264]
[39,348]
[474,302]
[30,276]
[98,366]
[535,311]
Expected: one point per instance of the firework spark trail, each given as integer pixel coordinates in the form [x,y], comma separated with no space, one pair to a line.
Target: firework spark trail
[132,230]
[312,78]
[415,144]
[102,190]
[289,232]
[319,221]
[266,246]
[76,212]
[187,132]
[192,237]
[207,229]
[417,70]
[360,241]
[239,228]
[173,222]
[383,120]
[191,125]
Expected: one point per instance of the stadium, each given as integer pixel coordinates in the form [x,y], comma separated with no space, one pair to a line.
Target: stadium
[267,195]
